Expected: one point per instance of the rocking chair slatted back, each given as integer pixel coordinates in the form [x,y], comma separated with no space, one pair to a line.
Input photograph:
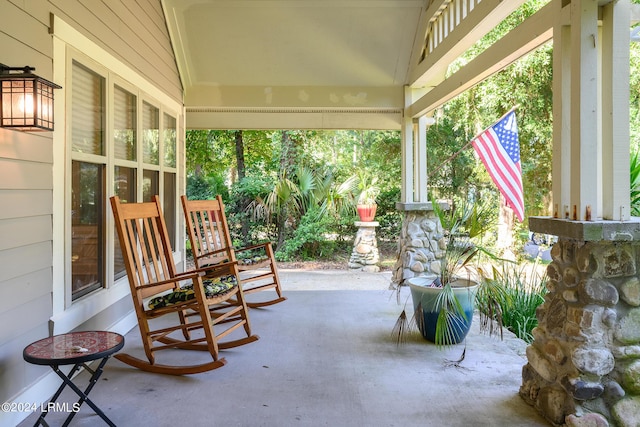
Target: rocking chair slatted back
[147,251]
[209,232]
[211,244]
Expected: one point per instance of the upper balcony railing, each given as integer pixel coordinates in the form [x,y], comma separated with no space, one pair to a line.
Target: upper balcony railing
[449,14]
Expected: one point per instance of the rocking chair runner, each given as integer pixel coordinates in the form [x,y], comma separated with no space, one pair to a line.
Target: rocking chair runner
[211,244]
[203,303]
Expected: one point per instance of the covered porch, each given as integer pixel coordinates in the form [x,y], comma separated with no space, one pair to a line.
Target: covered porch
[325,357]
[316,64]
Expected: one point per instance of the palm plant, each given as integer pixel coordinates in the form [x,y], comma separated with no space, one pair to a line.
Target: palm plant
[635,183]
[460,265]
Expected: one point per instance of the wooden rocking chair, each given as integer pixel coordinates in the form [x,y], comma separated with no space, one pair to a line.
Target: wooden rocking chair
[211,244]
[191,300]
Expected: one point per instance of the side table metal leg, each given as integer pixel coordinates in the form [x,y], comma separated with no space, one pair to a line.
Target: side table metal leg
[44,413]
[84,394]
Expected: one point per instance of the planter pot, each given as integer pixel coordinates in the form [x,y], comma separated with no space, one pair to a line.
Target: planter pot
[425,296]
[367,212]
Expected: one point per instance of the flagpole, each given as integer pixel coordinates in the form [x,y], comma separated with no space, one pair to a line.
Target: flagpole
[454,155]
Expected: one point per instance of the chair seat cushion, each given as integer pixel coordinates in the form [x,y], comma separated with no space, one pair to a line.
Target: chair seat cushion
[212,288]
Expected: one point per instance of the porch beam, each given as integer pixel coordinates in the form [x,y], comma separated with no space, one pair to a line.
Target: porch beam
[471,23]
[514,45]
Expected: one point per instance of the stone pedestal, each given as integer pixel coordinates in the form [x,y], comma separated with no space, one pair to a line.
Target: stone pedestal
[584,363]
[365,255]
[421,246]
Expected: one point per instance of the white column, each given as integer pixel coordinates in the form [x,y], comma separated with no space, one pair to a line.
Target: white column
[421,160]
[584,114]
[407,190]
[561,154]
[615,110]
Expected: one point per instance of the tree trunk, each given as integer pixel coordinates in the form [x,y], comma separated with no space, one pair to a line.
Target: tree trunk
[506,220]
[244,201]
[240,154]
[287,168]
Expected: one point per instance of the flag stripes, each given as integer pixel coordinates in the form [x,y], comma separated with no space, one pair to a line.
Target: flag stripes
[499,149]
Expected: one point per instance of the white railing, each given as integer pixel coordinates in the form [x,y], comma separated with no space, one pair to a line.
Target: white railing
[448,16]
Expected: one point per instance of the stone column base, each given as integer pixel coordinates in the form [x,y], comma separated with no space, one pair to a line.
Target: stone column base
[584,362]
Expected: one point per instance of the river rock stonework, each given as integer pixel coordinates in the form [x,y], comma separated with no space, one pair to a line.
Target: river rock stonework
[365,255]
[584,363]
[421,246]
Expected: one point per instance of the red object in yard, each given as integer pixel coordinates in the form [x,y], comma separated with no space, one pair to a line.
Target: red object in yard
[367,212]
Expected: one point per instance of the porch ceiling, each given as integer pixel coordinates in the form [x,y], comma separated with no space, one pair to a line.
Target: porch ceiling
[311,58]
[259,64]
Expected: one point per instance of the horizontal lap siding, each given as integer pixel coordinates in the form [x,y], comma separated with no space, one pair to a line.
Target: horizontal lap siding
[25,252]
[26,161]
[133,31]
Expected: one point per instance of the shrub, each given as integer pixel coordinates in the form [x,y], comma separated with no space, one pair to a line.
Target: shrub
[524,290]
[309,240]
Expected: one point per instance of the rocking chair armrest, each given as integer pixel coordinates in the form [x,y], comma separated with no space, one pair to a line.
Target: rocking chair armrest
[175,279]
[209,254]
[203,271]
[186,275]
[248,248]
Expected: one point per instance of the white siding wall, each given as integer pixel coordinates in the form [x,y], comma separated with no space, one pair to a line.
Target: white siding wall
[134,31]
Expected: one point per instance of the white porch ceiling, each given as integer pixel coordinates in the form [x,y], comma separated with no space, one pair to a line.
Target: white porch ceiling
[318,59]
[323,64]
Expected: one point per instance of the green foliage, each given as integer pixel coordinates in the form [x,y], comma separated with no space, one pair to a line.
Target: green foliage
[523,290]
[635,183]
[527,84]
[309,239]
[367,187]
[387,215]
[201,187]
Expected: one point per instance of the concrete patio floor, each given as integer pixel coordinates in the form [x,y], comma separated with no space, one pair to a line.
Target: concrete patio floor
[325,358]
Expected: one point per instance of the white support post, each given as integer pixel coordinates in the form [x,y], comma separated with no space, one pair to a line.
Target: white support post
[421,160]
[561,157]
[408,181]
[615,111]
[584,115]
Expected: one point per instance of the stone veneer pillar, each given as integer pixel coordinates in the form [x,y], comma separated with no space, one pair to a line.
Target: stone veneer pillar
[421,245]
[584,363]
[365,255]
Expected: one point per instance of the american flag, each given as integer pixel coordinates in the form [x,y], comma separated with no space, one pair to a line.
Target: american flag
[499,149]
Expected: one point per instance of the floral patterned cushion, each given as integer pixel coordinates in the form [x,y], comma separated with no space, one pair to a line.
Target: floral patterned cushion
[212,287]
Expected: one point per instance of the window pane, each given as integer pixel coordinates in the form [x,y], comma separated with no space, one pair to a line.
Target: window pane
[169,141]
[169,207]
[125,188]
[87,113]
[150,185]
[151,135]
[87,234]
[124,124]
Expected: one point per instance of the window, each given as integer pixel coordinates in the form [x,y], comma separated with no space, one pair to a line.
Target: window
[169,190]
[124,186]
[124,124]
[87,181]
[151,138]
[122,143]
[87,243]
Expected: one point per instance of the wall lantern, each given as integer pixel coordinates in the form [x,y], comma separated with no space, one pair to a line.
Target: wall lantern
[27,99]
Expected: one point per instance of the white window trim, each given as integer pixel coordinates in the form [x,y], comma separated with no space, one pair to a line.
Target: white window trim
[67,315]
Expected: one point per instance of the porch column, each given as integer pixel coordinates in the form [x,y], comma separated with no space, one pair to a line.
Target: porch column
[584,363]
[418,245]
